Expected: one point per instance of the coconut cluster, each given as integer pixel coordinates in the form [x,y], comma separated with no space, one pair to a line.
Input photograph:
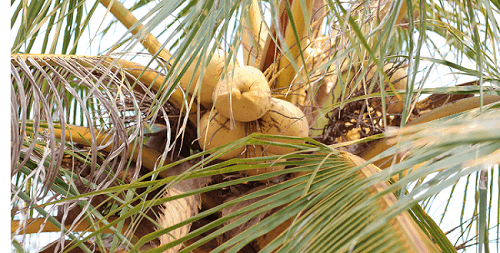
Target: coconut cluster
[243,104]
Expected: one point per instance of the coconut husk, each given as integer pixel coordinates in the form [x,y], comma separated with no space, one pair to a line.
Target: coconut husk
[157,140]
[244,96]
[286,119]
[178,142]
[213,72]
[228,210]
[207,247]
[212,199]
[176,211]
[259,151]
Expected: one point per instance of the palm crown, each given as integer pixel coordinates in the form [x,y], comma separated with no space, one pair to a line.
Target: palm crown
[255,126]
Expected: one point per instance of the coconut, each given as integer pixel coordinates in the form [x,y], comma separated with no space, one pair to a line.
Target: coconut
[211,76]
[218,130]
[286,119]
[258,151]
[244,96]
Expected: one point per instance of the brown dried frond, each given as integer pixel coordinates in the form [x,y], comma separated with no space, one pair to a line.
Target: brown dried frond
[69,213]
[114,107]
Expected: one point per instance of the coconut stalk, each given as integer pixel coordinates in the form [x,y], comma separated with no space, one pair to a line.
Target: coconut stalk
[254,34]
[295,35]
[318,99]
[317,16]
[270,49]
[440,112]
[324,92]
[129,20]
[381,10]
[326,89]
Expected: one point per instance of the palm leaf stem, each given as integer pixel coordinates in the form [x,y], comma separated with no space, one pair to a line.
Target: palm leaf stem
[148,76]
[157,82]
[34,224]
[405,225]
[82,135]
[296,30]
[440,112]
[130,21]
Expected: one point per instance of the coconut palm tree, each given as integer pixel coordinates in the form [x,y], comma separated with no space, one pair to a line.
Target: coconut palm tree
[244,126]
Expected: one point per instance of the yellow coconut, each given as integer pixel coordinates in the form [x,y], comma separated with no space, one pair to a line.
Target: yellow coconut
[398,79]
[258,151]
[218,130]
[286,119]
[211,76]
[244,96]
